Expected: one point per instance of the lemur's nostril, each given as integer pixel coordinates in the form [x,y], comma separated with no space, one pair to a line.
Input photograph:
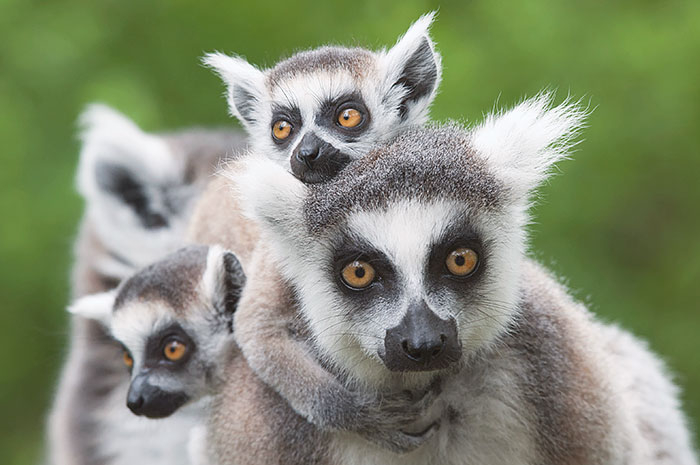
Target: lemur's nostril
[135,404]
[437,350]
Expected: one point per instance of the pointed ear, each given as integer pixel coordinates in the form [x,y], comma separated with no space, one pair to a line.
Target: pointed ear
[270,195]
[96,307]
[122,165]
[522,144]
[246,85]
[223,280]
[412,71]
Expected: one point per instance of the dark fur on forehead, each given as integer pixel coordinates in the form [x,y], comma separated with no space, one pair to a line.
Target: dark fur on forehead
[425,164]
[172,280]
[353,60]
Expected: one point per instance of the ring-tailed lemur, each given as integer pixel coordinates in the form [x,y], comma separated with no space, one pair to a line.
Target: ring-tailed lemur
[322,108]
[139,190]
[410,268]
[174,320]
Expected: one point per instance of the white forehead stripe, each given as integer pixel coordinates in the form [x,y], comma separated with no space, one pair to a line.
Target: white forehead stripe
[135,322]
[405,231]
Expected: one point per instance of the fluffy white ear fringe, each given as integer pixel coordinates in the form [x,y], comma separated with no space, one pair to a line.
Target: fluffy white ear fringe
[213,279]
[236,72]
[269,194]
[393,62]
[411,40]
[523,144]
[109,136]
[96,307]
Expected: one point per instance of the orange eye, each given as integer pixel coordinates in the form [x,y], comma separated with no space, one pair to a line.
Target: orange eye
[358,274]
[462,261]
[174,350]
[349,118]
[281,129]
[128,361]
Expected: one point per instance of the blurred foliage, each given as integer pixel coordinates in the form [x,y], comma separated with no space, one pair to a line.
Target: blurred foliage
[622,225]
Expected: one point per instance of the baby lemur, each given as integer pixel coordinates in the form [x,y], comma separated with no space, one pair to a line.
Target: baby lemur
[409,269]
[318,110]
[174,320]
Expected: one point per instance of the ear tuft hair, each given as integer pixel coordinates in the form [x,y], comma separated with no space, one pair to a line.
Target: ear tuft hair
[96,307]
[245,82]
[523,144]
[223,280]
[413,69]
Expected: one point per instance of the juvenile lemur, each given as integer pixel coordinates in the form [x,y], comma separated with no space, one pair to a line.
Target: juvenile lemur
[409,268]
[174,320]
[139,190]
[322,108]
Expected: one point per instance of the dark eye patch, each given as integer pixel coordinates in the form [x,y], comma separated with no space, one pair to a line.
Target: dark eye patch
[154,355]
[330,109]
[459,236]
[349,249]
[291,114]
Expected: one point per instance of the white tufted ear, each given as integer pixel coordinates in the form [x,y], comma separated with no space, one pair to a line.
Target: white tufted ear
[223,280]
[245,84]
[522,144]
[96,307]
[412,71]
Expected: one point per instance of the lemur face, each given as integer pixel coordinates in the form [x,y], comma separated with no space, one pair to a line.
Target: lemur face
[167,366]
[409,260]
[318,110]
[174,321]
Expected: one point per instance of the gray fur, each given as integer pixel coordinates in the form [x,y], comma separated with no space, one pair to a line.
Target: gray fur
[169,281]
[411,166]
[355,61]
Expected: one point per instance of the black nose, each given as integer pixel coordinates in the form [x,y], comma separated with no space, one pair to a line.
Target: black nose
[308,155]
[422,341]
[421,351]
[315,160]
[152,401]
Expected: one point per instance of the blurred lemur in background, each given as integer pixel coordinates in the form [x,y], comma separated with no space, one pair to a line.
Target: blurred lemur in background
[313,112]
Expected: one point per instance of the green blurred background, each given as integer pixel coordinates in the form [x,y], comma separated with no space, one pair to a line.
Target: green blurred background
[622,223]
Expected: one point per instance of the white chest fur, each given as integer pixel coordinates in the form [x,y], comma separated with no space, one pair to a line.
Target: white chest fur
[484,420]
[128,439]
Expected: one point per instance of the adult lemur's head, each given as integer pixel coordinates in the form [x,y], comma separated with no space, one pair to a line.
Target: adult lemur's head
[408,261]
[320,109]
